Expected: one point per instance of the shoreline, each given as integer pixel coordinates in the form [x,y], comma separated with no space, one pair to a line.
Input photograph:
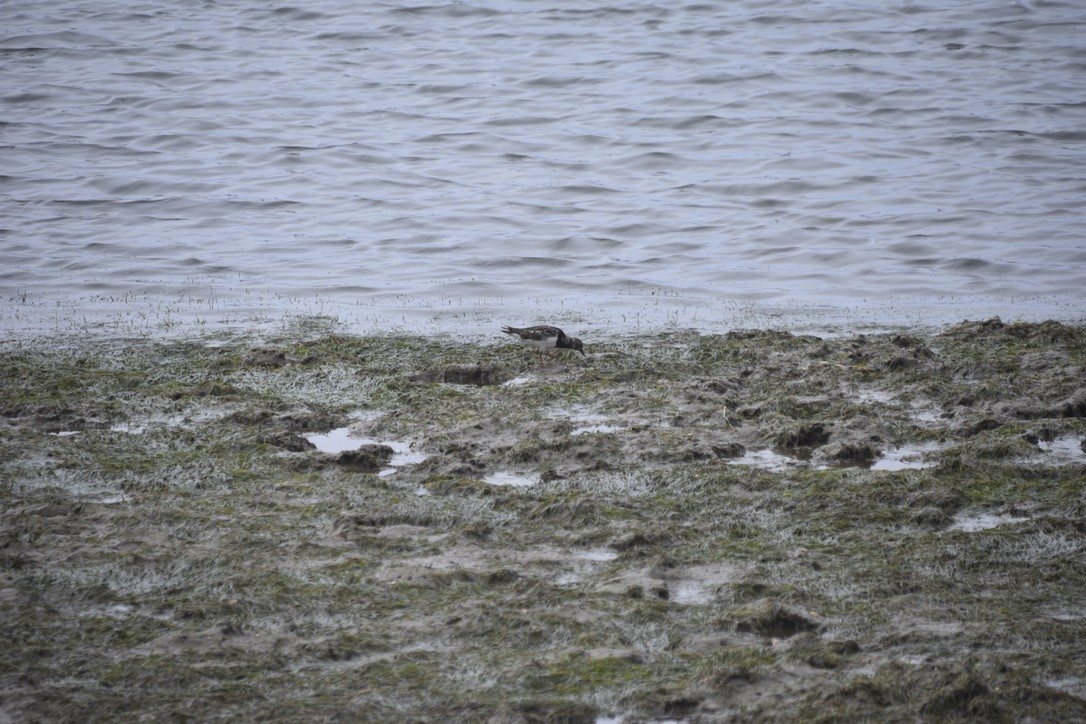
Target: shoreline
[201,312]
[706,527]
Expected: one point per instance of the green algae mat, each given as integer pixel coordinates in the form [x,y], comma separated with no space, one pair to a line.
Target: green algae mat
[748,526]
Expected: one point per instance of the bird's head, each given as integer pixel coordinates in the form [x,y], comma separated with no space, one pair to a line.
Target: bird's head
[578,345]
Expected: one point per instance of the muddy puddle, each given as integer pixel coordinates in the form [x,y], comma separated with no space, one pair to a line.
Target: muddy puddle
[585,421]
[595,429]
[1064,450]
[584,565]
[909,457]
[577,414]
[339,440]
[507,479]
[141,424]
[349,439]
[974,522]
[769,460]
[905,457]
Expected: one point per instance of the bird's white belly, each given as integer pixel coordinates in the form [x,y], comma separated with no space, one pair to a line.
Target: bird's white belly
[541,344]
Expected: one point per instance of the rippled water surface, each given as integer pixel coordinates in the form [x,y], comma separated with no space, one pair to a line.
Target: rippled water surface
[607,165]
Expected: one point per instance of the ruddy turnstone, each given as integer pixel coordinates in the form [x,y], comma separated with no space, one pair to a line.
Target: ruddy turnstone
[543,338]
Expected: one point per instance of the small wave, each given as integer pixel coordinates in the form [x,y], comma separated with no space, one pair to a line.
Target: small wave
[297,14]
[60,39]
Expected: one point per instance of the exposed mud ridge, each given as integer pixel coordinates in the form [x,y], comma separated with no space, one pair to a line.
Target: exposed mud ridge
[747,526]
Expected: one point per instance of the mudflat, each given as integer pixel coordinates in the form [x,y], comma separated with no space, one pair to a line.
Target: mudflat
[747,526]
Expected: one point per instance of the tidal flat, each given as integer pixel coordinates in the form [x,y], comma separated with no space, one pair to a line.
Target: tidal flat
[746,526]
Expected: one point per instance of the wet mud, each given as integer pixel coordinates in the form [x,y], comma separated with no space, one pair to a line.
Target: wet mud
[747,526]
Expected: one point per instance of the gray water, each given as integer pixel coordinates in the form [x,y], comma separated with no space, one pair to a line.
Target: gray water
[608,165]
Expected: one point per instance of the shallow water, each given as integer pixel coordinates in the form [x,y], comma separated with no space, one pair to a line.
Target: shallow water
[976,522]
[584,565]
[1065,449]
[335,441]
[598,555]
[690,592]
[343,439]
[595,429]
[907,457]
[768,460]
[510,479]
[452,166]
